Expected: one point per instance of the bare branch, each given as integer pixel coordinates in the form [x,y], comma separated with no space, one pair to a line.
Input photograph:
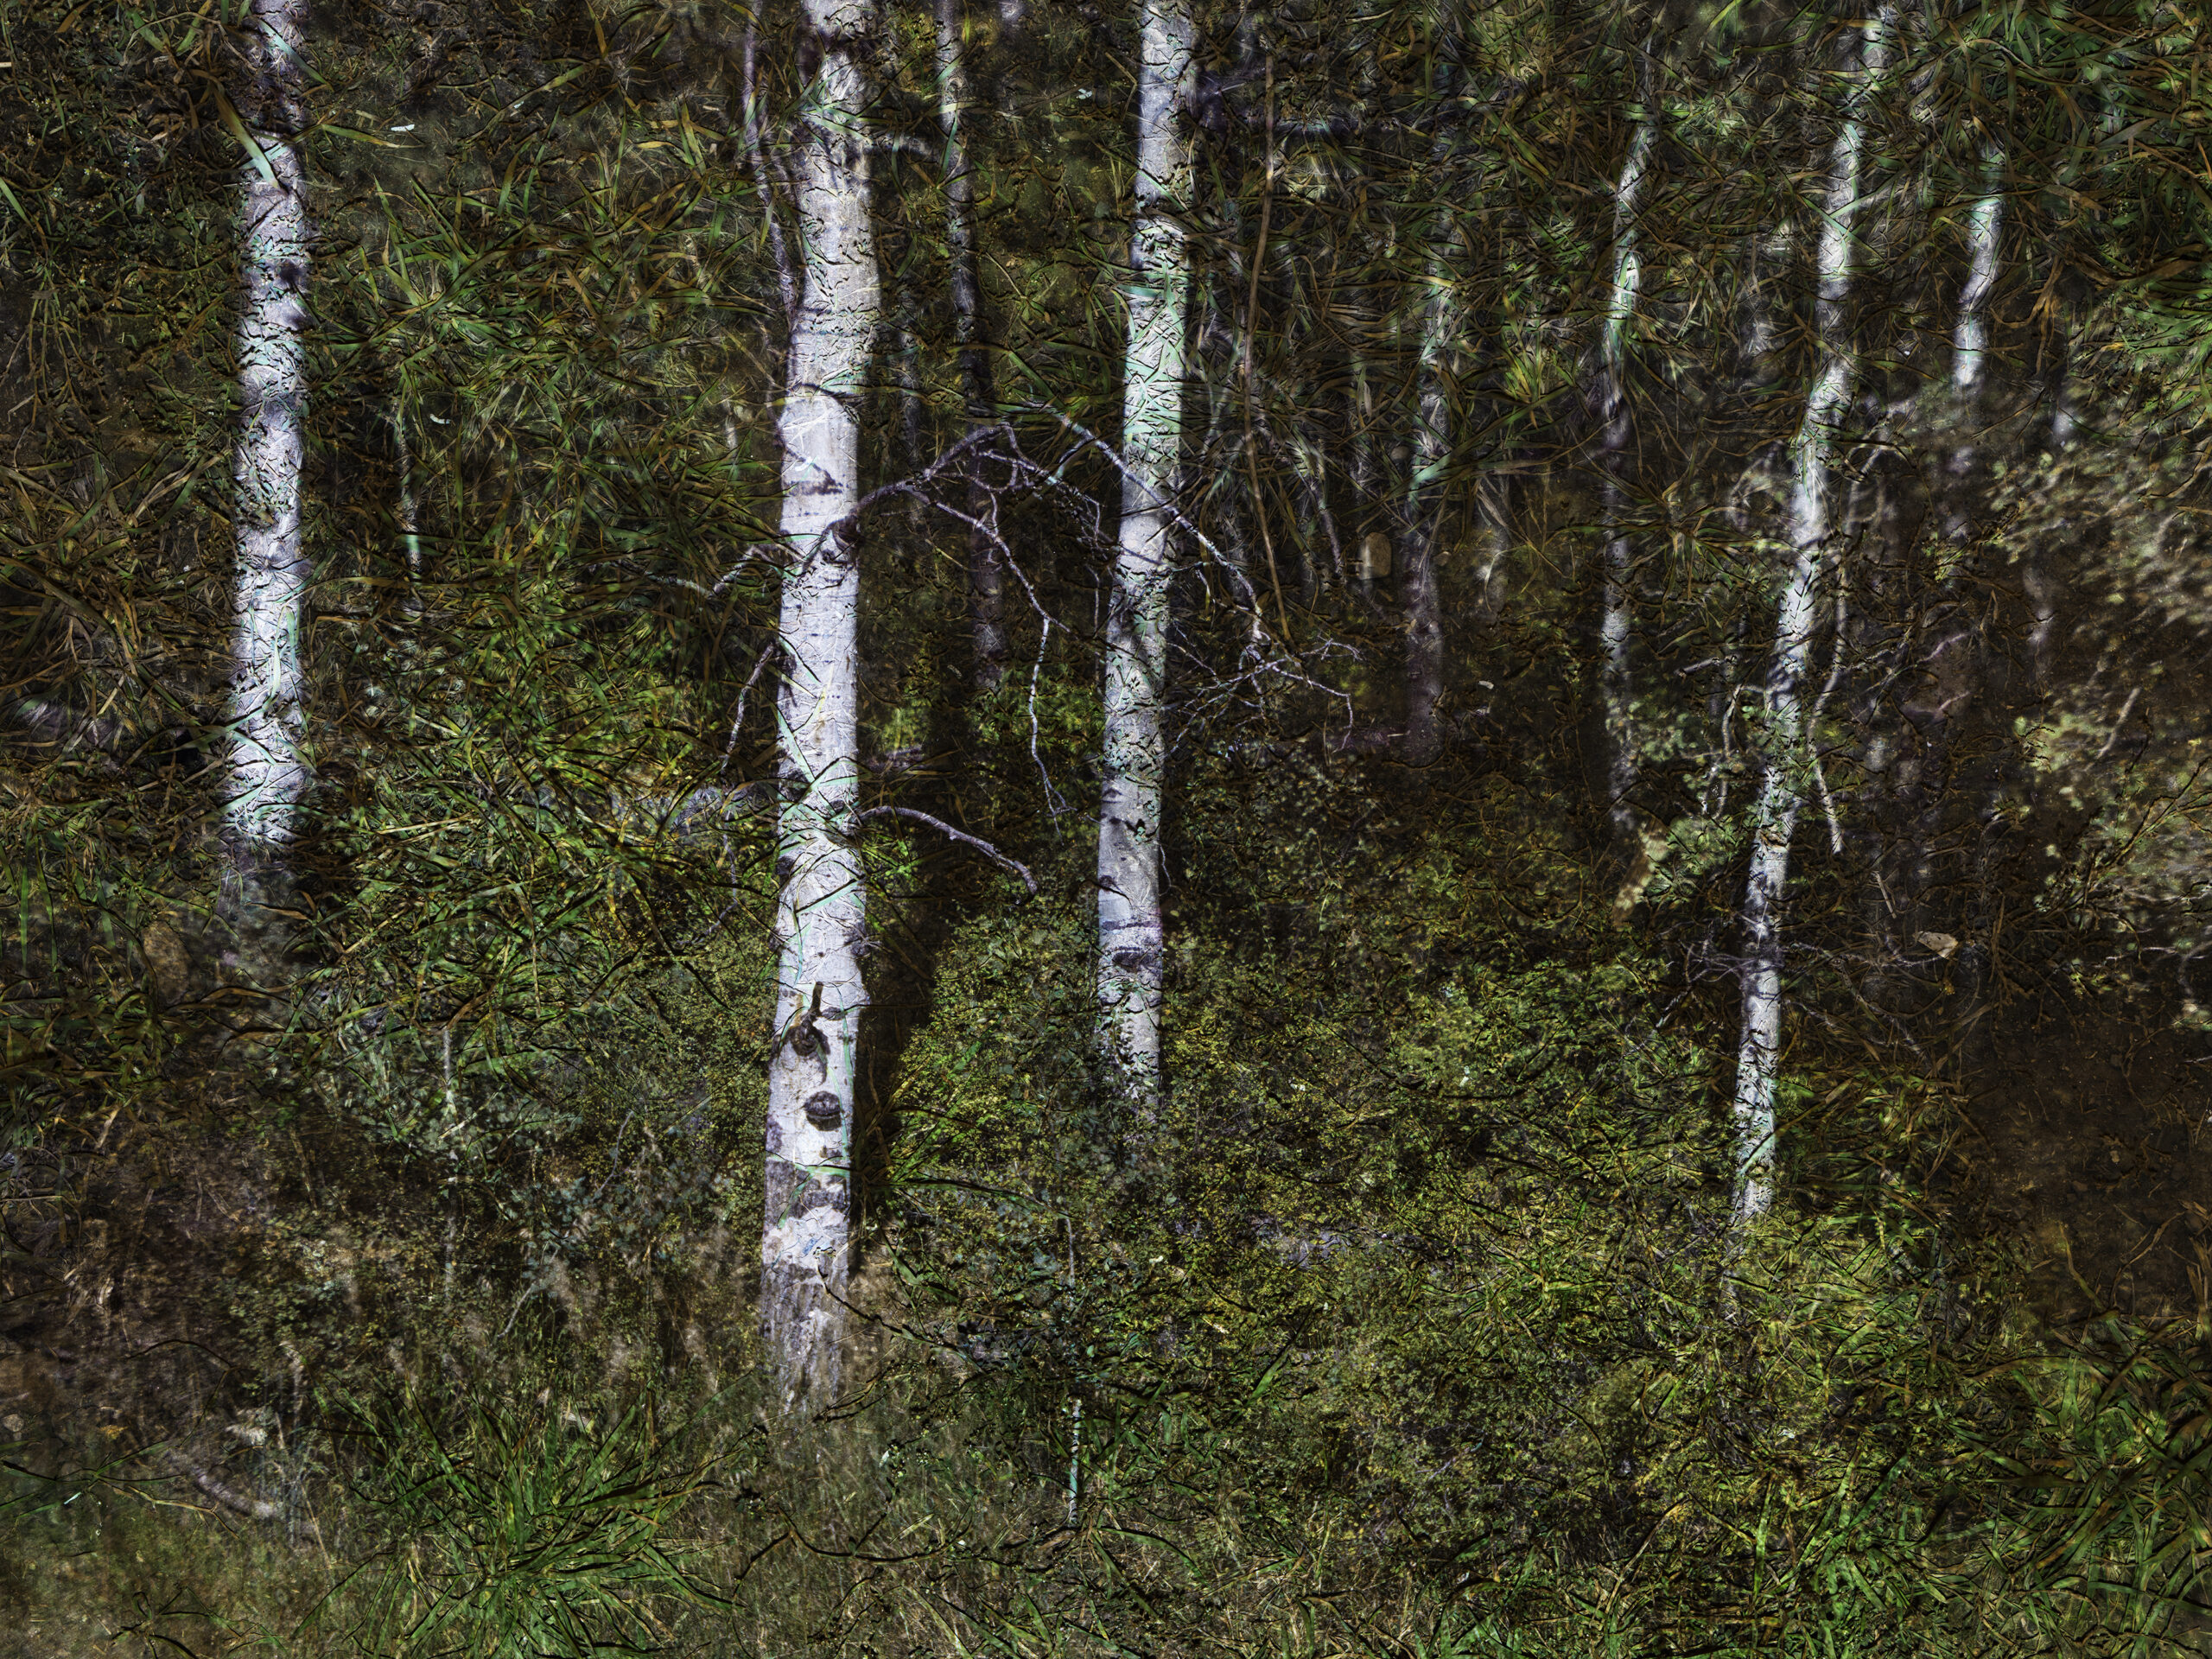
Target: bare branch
[977,842]
[786,278]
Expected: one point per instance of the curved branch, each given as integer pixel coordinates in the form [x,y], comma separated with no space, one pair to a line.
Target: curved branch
[979,844]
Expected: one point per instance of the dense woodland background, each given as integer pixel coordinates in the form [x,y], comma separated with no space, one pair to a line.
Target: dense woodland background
[403,1300]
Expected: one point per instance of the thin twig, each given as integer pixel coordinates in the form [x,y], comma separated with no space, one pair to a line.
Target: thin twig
[730,747]
[944,459]
[2118,726]
[1820,776]
[786,279]
[1054,799]
[1182,519]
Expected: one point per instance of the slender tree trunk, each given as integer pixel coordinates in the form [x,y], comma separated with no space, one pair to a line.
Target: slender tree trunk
[1432,457]
[1494,502]
[1373,554]
[1221,500]
[1888,753]
[907,374]
[986,571]
[1957,668]
[1254,421]
[1785,753]
[2040,580]
[1760,355]
[821,911]
[1970,341]
[1130,935]
[1311,462]
[2040,577]
[409,535]
[1614,627]
[268,774]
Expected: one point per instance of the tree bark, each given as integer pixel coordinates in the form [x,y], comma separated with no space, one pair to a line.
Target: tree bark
[1614,628]
[1359,412]
[1969,349]
[1424,491]
[1785,753]
[1494,506]
[2039,575]
[268,774]
[986,575]
[1311,462]
[1227,495]
[821,910]
[1131,938]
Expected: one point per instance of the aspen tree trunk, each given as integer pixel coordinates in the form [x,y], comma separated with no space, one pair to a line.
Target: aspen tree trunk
[1494,505]
[1888,756]
[268,774]
[1614,625]
[821,911]
[1970,341]
[1977,925]
[1130,935]
[1424,510]
[986,575]
[408,533]
[2039,578]
[1439,342]
[906,374]
[1957,666]
[1359,410]
[1311,462]
[1785,753]
[1760,355]
[1221,502]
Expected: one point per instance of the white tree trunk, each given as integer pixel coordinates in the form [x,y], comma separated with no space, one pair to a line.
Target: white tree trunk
[1359,412]
[1130,936]
[1784,757]
[821,910]
[1970,341]
[1613,626]
[1432,456]
[408,531]
[1310,461]
[268,773]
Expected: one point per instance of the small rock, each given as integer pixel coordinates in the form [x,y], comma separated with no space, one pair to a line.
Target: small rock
[168,968]
[1373,555]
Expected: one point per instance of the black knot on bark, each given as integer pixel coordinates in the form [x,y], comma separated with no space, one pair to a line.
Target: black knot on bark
[824,1110]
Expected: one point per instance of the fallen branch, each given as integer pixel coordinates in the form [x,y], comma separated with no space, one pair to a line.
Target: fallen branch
[253,1509]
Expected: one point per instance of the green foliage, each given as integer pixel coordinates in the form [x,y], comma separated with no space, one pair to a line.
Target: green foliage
[516,1532]
[1423,1268]
[2107,1452]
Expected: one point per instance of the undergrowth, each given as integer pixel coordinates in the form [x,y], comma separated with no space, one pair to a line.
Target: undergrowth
[1409,1326]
